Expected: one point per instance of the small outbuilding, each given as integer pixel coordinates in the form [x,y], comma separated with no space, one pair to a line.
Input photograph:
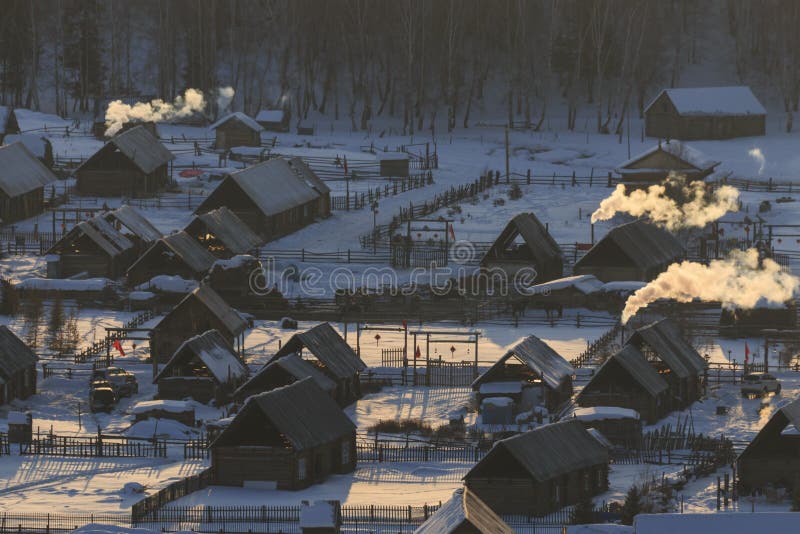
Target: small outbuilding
[282,372]
[204,368]
[133,163]
[540,471]
[464,513]
[223,233]
[655,164]
[176,410]
[525,243]
[705,113]
[620,426]
[22,181]
[201,310]
[635,251]
[273,120]
[17,367]
[236,129]
[772,459]
[38,145]
[287,439]
[177,255]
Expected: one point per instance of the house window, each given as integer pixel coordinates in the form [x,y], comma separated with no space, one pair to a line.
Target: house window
[301,469]
[345,452]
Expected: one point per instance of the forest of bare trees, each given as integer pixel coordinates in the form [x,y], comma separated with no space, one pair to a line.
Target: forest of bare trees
[416,60]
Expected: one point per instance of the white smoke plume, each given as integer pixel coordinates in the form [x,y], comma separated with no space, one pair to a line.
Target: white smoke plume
[736,281]
[695,208]
[224,98]
[757,155]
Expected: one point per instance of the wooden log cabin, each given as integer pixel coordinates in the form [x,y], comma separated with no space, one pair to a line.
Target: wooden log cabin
[236,129]
[133,163]
[655,164]
[273,120]
[223,233]
[177,255]
[635,251]
[273,198]
[705,113]
[17,367]
[525,243]
[282,372]
[288,438]
[772,459]
[204,368]
[199,311]
[541,471]
[464,513]
[22,181]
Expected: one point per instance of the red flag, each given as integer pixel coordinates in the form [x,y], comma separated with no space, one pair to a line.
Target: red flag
[417,353]
[746,352]
[405,325]
[452,233]
[117,345]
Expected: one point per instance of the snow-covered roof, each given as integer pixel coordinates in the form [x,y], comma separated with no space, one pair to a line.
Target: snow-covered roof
[496,388]
[317,514]
[35,120]
[585,283]
[680,150]
[228,228]
[500,402]
[65,284]
[140,146]
[727,522]
[241,117]
[135,222]
[17,418]
[732,100]
[36,144]
[622,286]
[270,115]
[21,171]
[601,439]
[164,405]
[464,512]
[596,413]
[216,354]
[539,357]
[169,284]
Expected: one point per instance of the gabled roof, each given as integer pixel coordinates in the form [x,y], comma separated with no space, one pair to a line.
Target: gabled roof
[135,222]
[328,347]
[549,451]
[633,361]
[216,354]
[677,149]
[216,305]
[138,145]
[270,115]
[292,364]
[539,357]
[241,117]
[21,171]
[668,342]
[198,258]
[539,241]
[304,172]
[100,232]
[645,244]
[36,144]
[230,230]
[464,509]
[788,414]
[302,413]
[15,355]
[585,283]
[735,101]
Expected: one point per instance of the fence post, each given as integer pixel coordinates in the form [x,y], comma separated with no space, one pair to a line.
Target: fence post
[528,177]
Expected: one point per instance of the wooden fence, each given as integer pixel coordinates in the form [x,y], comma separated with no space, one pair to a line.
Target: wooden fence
[151,506]
[393,357]
[364,199]
[597,346]
[389,451]
[93,447]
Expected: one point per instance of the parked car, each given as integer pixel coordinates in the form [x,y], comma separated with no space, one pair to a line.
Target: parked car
[102,397]
[123,382]
[759,384]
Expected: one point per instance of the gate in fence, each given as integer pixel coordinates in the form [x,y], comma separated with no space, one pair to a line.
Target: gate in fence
[450,374]
[393,357]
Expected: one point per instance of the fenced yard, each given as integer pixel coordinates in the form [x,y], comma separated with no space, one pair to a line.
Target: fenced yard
[92,447]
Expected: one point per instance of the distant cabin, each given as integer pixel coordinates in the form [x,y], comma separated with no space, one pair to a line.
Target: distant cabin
[541,471]
[274,120]
[635,251]
[133,163]
[273,198]
[772,459]
[176,254]
[22,181]
[17,367]
[38,145]
[205,368]
[705,113]
[222,233]
[525,242]
[464,513]
[655,164]
[236,129]
[283,372]
[287,439]
[201,310]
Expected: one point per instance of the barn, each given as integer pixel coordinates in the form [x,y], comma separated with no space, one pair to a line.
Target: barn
[273,120]
[541,471]
[22,181]
[17,367]
[525,243]
[272,198]
[199,311]
[705,113]
[223,233]
[38,145]
[204,368]
[288,438]
[133,163]
[464,513]
[326,349]
[176,254]
[282,372]
[655,164]
[772,459]
[236,129]
[635,251]
[531,373]
[626,380]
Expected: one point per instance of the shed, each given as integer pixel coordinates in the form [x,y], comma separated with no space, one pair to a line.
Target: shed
[626,380]
[133,163]
[223,233]
[655,164]
[288,438]
[705,113]
[176,254]
[634,251]
[236,129]
[545,376]
[270,197]
[17,367]
[273,120]
[773,457]
[282,372]
[621,426]
[201,310]
[22,181]
[326,349]
[525,243]
[393,164]
[38,145]
[541,471]
[464,513]
[204,368]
